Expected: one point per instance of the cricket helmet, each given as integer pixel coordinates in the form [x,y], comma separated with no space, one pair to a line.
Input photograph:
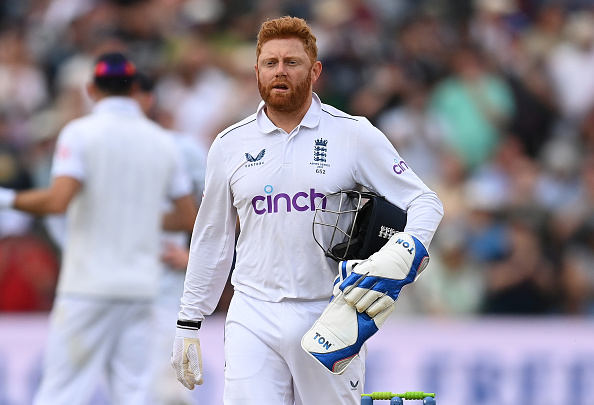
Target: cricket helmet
[353,224]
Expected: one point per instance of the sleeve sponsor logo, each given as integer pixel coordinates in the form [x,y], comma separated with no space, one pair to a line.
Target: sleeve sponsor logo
[400,166]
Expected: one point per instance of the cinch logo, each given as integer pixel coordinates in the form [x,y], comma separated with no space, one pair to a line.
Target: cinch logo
[406,245]
[399,167]
[301,201]
[322,341]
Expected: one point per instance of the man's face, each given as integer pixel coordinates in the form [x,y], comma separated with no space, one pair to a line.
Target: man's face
[285,74]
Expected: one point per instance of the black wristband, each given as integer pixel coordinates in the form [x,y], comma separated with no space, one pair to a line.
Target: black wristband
[190,325]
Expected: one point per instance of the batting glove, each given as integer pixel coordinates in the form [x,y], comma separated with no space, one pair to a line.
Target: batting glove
[363,297]
[7,197]
[186,358]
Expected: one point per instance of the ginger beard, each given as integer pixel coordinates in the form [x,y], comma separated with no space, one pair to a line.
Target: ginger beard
[287,102]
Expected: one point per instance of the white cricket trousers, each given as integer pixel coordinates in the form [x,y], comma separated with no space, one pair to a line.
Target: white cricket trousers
[265,364]
[94,340]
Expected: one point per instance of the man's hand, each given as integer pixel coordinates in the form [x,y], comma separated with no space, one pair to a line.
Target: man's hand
[374,284]
[363,297]
[186,358]
[7,197]
[175,257]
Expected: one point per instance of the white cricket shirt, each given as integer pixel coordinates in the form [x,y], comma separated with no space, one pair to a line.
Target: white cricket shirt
[128,166]
[274,181]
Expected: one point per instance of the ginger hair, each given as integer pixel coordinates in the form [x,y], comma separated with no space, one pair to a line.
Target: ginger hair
[288,27]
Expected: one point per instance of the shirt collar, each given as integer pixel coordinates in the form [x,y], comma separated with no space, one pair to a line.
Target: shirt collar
[119,104]
[310,120]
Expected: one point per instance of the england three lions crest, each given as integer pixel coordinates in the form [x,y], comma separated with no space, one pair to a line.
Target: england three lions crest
[320,150]
[320,155]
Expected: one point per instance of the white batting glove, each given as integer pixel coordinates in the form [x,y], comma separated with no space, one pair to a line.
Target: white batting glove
[7,197]
[363,297]
[186,358]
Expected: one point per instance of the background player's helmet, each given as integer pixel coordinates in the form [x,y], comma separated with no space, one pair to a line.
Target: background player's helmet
[114,73]
[354,224]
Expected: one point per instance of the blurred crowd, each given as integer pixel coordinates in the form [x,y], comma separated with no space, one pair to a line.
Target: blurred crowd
[491,102]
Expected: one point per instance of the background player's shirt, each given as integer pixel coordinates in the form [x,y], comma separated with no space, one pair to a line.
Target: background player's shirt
[128,166]
[193,156]
[273,181]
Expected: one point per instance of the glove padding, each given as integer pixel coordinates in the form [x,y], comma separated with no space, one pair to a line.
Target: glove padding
[363,297]
[374,284]
[186,358]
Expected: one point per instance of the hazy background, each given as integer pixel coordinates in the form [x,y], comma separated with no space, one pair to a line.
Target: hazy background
[490,102]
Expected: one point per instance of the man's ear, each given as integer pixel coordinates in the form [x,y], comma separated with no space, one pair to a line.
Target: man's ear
[316,71]
[92,91]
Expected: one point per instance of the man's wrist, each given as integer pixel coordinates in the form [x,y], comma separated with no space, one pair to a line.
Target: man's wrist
[188,329]
[7,197]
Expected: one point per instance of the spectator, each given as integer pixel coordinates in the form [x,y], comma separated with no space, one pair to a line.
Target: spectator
[523,282]
[455,284]
[485,228]
[545,32]
[476,105]
[195,91]
[571,68]
[577,271]
[23,87]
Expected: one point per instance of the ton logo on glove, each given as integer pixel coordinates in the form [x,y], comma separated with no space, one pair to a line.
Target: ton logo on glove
[322,341]
[364,294]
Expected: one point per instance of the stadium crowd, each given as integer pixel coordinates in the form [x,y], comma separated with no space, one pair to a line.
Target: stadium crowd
[491,102]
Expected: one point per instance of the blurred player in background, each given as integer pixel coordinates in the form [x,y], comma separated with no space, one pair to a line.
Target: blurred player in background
[265,171]
[111,172]
[165,388]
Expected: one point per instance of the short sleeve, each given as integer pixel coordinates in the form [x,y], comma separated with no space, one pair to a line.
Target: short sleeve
[68,157]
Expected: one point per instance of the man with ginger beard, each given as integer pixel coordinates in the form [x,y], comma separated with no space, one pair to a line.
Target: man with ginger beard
[270,171]
[281,95]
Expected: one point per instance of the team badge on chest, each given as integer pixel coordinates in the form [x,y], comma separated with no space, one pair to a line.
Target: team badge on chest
[320,155]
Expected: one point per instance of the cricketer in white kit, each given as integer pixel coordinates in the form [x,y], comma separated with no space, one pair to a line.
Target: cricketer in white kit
[271,172]
[112,170]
